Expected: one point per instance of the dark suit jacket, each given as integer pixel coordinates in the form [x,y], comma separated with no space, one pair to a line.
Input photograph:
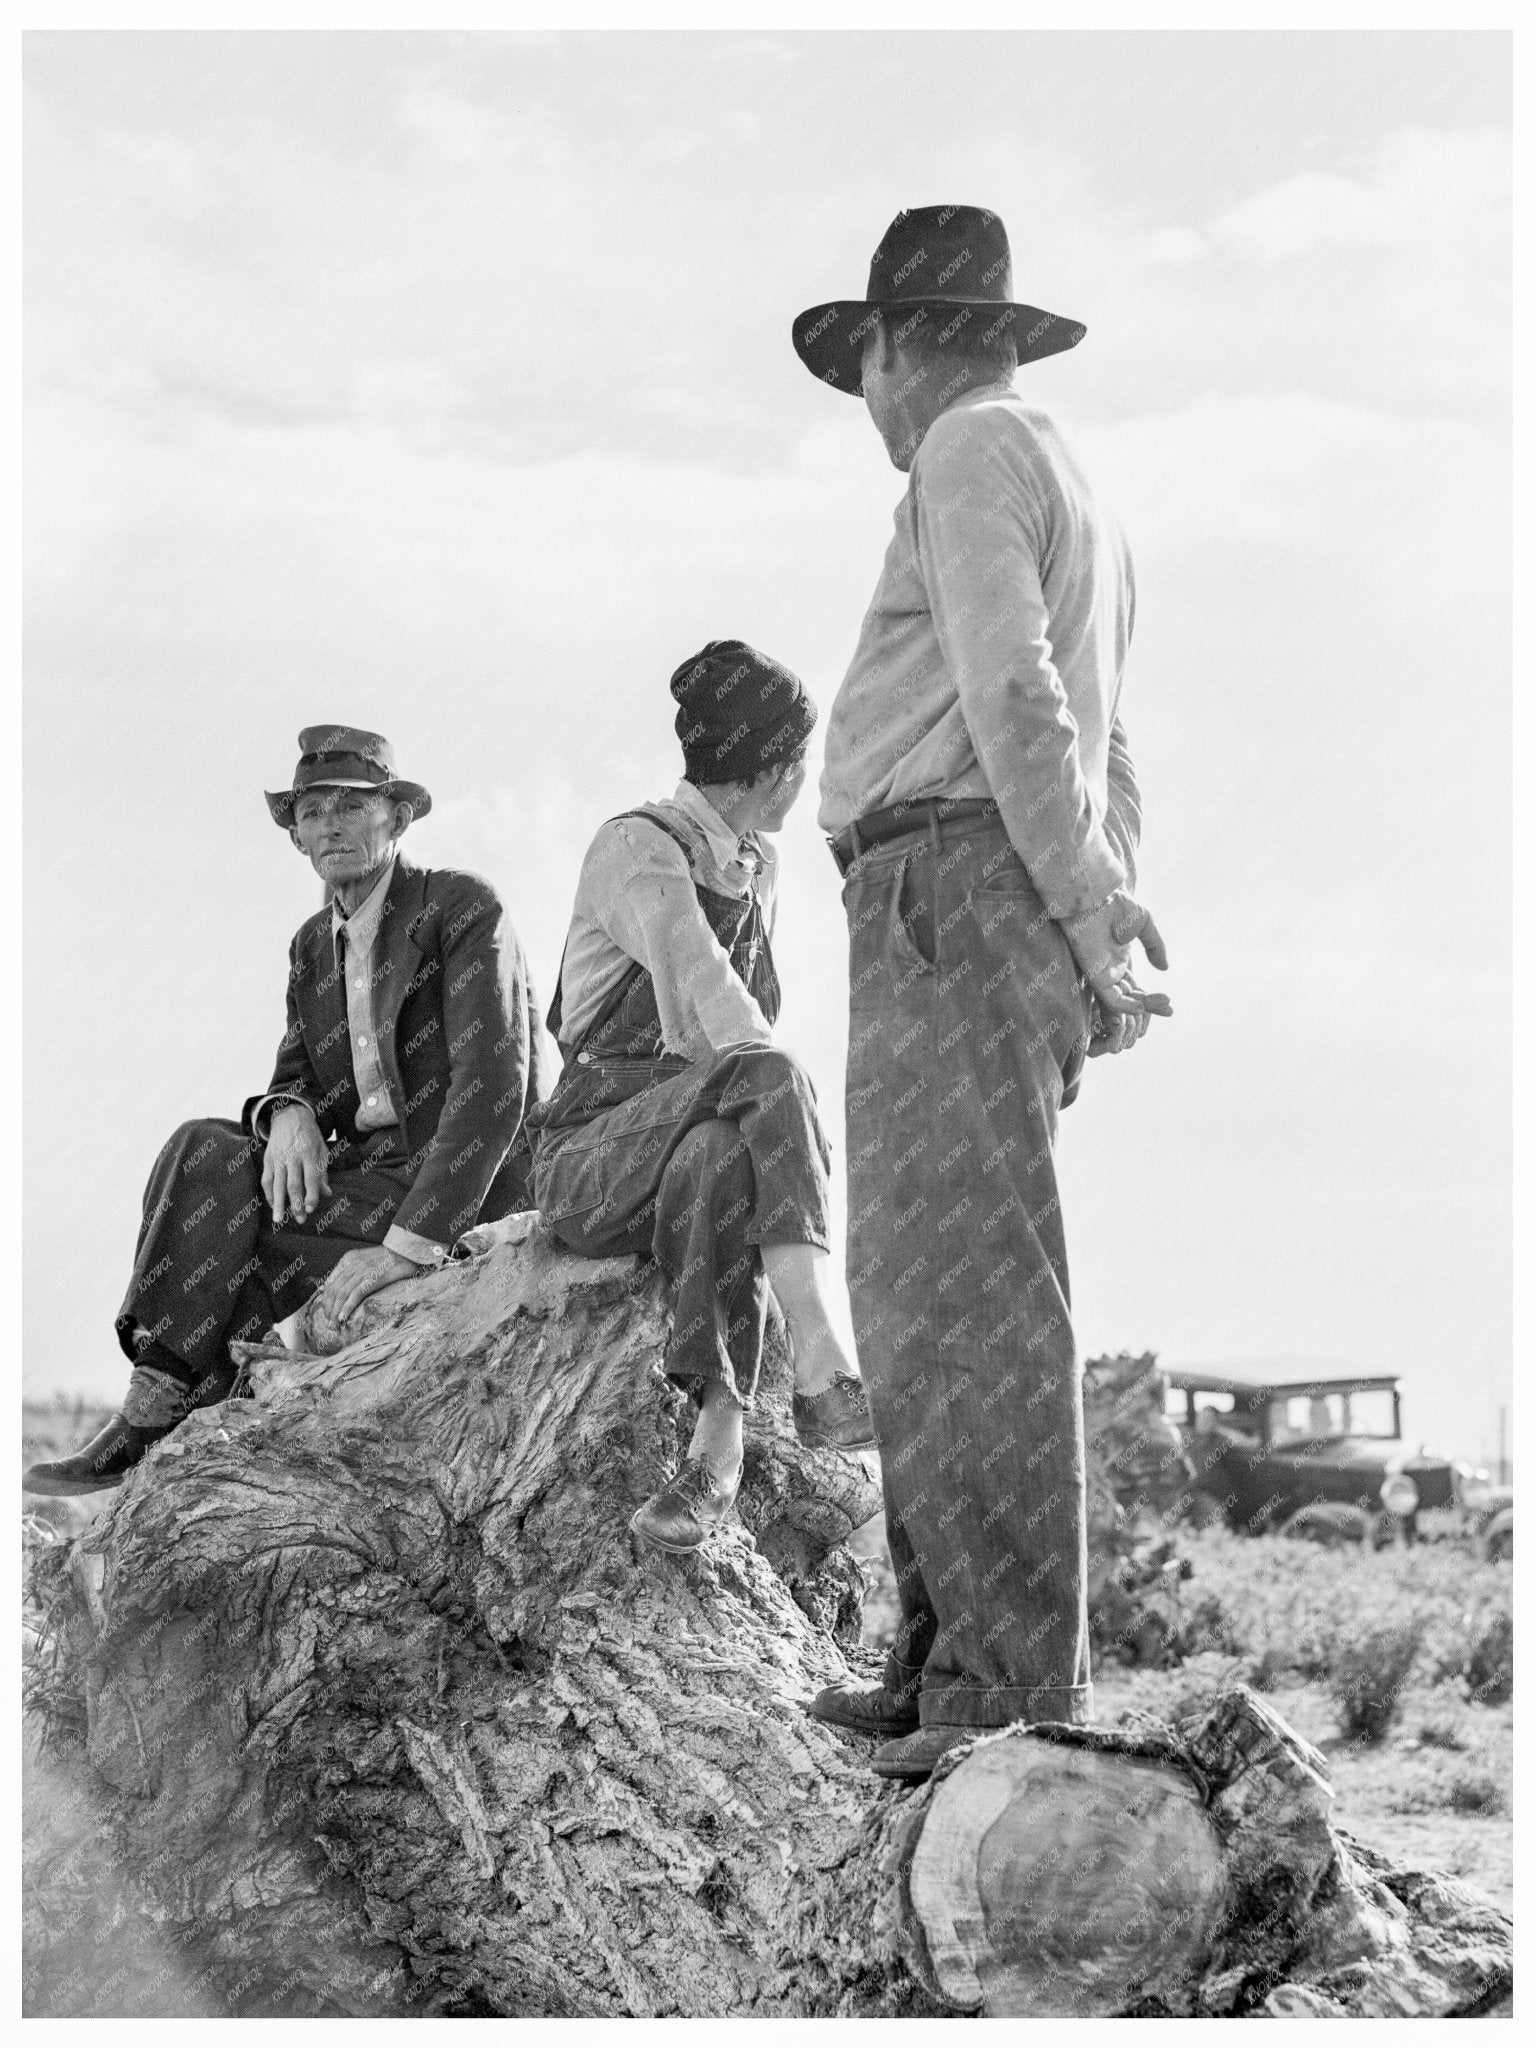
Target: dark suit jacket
[455,1016]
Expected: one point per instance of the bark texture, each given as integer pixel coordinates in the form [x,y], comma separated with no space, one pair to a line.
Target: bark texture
[383,1711]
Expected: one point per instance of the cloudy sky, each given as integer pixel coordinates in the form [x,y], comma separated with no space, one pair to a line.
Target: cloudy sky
[443,384]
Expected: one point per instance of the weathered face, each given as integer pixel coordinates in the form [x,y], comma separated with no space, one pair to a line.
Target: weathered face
[893,392]
[346,833]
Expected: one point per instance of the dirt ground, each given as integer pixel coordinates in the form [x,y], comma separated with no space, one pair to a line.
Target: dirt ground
[1423,1804]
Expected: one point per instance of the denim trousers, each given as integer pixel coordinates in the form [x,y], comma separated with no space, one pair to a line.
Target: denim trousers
[211,1265]
[697,1172]
[969,1024]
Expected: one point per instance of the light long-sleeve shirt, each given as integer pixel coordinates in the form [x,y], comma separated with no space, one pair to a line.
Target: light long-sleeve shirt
[636,901]
[991,659]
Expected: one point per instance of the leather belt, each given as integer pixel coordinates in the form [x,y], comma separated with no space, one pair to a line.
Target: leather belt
[920,814]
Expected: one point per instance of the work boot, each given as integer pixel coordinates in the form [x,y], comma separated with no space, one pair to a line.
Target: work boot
[871,1711]
[911,1760]
[681,1514]
[838,1417]
[115,1449]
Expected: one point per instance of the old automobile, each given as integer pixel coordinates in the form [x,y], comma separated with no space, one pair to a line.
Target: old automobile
[1320,1456]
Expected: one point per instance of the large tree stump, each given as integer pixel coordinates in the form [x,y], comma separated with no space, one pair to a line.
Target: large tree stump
[382,1710]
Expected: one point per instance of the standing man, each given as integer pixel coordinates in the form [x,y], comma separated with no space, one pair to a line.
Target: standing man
[981,803]
[387,1128]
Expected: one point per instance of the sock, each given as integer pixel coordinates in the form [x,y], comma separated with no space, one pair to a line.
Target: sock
[714,1440]
[155,1399]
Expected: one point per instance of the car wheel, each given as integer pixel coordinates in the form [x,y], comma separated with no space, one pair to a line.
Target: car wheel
[1498,1543]
[1330,1523]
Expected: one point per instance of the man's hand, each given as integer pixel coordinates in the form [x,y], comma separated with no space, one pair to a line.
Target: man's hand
[1115,1034]
[1101,940]
[358,1274]
[293,1173]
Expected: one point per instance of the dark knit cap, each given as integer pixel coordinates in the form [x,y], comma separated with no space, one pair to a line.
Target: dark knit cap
[738,713]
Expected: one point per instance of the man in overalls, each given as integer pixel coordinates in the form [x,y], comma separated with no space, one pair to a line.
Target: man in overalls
[678,1129]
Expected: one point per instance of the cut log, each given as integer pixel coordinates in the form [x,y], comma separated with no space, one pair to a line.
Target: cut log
[380,1710]
[1052,1880]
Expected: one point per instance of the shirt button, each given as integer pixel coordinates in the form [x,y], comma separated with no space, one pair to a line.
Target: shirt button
[359,982]
[371,1100]
[361,1040]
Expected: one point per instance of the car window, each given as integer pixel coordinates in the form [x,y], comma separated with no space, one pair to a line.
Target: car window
[1372,1412]
[1301,1418]
[1313,1418]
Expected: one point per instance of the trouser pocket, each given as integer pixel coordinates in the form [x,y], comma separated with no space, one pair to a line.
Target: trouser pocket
[913,929]
[567,1177]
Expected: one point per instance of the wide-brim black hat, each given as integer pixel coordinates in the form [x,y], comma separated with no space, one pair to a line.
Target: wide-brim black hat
[945,265]
[345,757]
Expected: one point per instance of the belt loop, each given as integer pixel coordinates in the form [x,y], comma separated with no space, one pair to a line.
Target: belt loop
[933,834]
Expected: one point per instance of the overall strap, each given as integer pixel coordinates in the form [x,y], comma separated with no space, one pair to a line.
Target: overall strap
[626,981]
[655,818]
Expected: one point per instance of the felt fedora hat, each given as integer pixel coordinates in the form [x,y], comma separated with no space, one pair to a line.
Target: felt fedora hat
[345,757]
[944,266]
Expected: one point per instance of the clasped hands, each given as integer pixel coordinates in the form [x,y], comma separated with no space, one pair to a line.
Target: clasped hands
[1101,940]
[294,1179]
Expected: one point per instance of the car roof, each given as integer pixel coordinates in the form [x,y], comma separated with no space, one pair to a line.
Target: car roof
[1275,1376]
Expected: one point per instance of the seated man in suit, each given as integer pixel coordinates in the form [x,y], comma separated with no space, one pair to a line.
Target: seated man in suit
[387,1128]
[677,1127]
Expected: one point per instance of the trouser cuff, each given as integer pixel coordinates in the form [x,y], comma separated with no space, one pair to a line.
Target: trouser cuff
[690,1381]
[999,1706]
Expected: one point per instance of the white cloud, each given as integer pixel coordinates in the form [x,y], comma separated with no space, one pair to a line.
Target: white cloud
[1170,248]
[1423,187]
[1304,472]
[448,123]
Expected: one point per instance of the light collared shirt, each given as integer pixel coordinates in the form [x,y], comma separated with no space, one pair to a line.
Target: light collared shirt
[990,661]
[636,901]
[375,1106]
[354,937]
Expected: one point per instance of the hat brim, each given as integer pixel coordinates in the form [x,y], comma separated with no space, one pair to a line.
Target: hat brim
[829,339]
[280,802]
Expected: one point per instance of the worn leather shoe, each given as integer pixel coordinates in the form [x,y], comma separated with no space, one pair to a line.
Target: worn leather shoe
[837,1417]
[681,1514]
[911,1760]
[115,1449]
[871,1711]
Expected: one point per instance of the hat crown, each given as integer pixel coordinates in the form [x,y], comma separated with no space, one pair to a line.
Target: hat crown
[333,745]
[951,252]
